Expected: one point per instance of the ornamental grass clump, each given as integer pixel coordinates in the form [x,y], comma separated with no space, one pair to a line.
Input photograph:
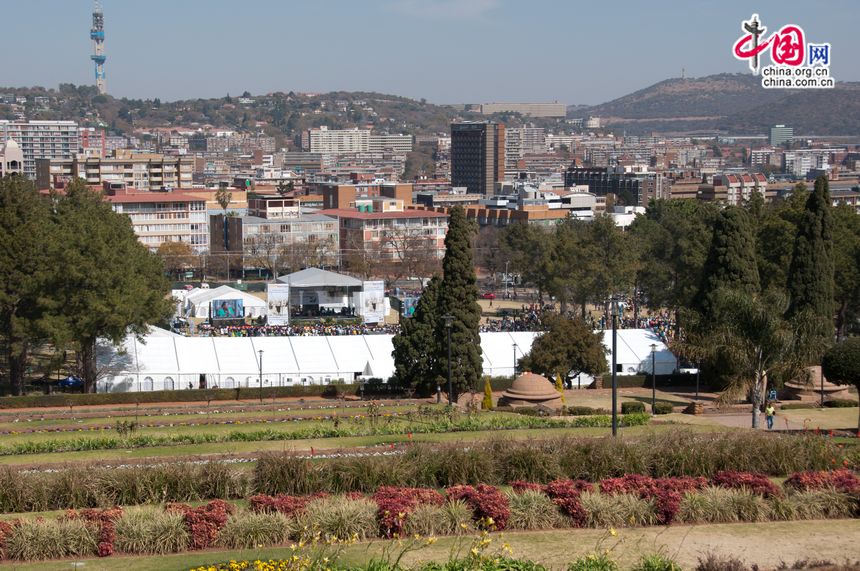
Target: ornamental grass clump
[814,504]
[247,530]
[52,539]
[151,530]
[616,510]
[594,561]
[723,505]
[532,509]
[338,517]
[452,518]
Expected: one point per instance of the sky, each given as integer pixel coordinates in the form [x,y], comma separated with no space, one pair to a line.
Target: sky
[447,51]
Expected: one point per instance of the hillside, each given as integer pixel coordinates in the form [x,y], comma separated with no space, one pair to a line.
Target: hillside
[731,102]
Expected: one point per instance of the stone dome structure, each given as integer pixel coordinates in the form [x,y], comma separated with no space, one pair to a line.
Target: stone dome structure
[530,389]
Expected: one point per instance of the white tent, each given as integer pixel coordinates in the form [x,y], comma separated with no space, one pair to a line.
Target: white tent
[198,301]
[164,361]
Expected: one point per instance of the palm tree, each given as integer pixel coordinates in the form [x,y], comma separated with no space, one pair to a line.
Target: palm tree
[750,336]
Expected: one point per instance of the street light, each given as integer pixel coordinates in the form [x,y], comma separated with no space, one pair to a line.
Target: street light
[449,321]
[261,374]
[506,280]
[515,346]
[614,367]
[698,369]
[653,377]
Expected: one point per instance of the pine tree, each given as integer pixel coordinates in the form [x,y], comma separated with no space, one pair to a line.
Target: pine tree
[810,276]
[458,297]
[731,262]
[415,351]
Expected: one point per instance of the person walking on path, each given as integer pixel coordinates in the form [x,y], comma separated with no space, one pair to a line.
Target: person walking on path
[769,413]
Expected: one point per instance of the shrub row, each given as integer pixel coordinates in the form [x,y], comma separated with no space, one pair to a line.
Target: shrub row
[195,395]
[630,500]
[361,427]
[496,462]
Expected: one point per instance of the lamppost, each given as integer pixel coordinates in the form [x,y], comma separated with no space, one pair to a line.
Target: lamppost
[261,374]
[449,321]
[698,369]
[506,279]
[653,377]
[614,367]
[515,346]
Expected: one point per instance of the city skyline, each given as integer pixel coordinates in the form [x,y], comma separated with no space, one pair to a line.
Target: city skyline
[446,51]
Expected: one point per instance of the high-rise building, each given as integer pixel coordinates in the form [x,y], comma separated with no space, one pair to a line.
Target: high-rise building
[42,140]
[631,189]
[398,143]
[477,156]
[780,134]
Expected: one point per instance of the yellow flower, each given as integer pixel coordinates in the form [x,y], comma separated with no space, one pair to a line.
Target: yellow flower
[612,532]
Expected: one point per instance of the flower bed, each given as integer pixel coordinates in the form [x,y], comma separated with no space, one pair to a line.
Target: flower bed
[632,499]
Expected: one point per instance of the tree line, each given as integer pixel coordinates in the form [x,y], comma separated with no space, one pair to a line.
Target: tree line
[72,271]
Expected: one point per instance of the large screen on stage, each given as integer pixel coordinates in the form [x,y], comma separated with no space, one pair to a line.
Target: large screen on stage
[374,302]
[227,309]
[278,298]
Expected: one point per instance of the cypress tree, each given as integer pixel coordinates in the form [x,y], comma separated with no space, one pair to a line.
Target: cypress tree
[458,297]
[810,275]
[731,261]
[415,351]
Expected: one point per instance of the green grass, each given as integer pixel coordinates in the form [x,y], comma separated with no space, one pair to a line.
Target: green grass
[824,418]
[766,544]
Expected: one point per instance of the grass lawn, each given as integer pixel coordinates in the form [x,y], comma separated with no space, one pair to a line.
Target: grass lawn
[766,544]
[824,418]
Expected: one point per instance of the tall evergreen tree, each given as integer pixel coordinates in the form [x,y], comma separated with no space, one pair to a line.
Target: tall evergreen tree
[109,284]
[731,262]
[415,352]
[458,297]
[26,240]
[810,276]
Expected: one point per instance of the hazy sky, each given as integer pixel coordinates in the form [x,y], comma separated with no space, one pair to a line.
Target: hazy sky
[447,51]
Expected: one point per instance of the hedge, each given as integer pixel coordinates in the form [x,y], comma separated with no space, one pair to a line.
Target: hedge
[644,381]
[193,395]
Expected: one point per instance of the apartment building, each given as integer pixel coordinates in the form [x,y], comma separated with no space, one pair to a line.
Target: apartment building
[633,189]
[338,141]
[734,189]
[398,143]
[138,171]
[385,228]
[42,140]
[159,217]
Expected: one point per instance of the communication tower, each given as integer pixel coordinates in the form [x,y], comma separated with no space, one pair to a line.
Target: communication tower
[97,34]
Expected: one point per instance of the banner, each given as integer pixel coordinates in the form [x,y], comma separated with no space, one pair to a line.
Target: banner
[373,310]
[226,309]
[278,298]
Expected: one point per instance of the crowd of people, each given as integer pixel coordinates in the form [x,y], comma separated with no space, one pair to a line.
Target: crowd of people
[297,330]
[527,319]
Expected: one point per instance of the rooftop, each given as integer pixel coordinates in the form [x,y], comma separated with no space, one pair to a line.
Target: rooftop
[352,213]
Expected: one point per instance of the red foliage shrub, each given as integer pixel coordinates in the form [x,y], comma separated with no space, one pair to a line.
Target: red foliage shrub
[843,480]
[666,492]
[282,503]
[105,520]
[565,494]
[395,504]
[355,496]
[204,523]
[520,486]
[752,481]
[487,503]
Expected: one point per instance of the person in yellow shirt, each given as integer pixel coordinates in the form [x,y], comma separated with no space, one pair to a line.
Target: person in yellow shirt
[769,413]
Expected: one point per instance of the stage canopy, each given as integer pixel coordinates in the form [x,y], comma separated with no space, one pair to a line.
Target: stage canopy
[198,301]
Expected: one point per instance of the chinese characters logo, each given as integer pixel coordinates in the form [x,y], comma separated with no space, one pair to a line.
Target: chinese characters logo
[788,52]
